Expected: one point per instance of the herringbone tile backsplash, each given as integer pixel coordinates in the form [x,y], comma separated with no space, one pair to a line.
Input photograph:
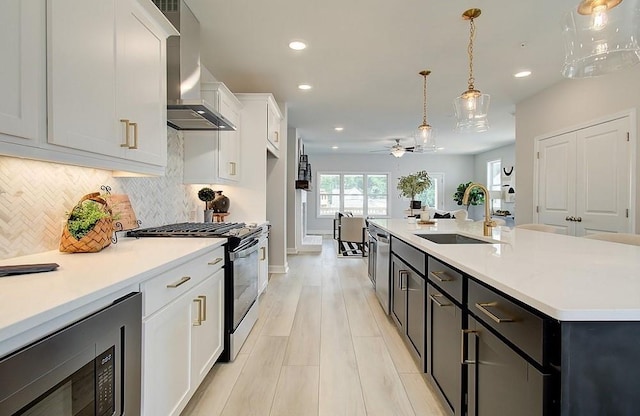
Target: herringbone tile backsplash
[35,196]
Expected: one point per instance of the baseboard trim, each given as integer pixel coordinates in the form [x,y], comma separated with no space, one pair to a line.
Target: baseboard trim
[279,269]
[320,232]
[292,251]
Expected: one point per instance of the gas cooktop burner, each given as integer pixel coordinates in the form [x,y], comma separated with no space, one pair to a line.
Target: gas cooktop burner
[203,229]
[238,233]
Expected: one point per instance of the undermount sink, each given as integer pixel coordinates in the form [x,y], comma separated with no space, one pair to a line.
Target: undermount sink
[452,239]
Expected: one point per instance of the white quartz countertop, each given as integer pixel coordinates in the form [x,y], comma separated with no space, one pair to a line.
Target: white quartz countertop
[84,280]
[567,278]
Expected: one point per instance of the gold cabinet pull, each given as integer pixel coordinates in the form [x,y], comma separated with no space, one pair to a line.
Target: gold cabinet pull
[182,281]
[126,132]
[135,136]
[445,277]
[434,298]
[232,165]
[463,333]
[483,308]
[198,320]
[276,136]
[263,253]
[203,304]
[214,262]
[403,279]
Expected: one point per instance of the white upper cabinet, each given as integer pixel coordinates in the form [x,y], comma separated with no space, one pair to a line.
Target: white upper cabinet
[107,78]
[214,156]
[262,117]
[273,125]
[82,76]
[141,83]
[22,80]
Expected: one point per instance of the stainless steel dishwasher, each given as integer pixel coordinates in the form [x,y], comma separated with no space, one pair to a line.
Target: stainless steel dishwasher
[382,269]
[373,246]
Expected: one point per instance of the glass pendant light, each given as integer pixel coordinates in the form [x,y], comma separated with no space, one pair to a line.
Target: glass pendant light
[601,36]
[425,135]
[471,106]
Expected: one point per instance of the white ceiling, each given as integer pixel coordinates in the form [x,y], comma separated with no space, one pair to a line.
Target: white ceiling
[363,59]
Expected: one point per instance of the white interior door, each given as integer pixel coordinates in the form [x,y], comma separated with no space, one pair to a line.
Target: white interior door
[584,179]
[557,182]
[602,178]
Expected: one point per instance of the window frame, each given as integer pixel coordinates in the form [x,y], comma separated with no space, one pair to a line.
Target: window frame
[341,195]
[437,179]
[491,185]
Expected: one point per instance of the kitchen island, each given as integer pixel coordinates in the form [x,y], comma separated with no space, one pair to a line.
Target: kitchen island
[540,323]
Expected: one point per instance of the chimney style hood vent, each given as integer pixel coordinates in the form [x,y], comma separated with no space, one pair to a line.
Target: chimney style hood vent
[186,110]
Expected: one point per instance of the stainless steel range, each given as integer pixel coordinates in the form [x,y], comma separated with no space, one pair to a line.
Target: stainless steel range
[241,272]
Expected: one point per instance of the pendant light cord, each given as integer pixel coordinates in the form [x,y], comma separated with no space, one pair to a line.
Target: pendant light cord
[424,101]
[472,35]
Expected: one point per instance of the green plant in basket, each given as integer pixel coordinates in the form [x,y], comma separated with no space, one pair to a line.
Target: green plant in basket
[84,217]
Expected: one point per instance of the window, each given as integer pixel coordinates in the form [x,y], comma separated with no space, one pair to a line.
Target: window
[434,196]
[494,183]
[361,194]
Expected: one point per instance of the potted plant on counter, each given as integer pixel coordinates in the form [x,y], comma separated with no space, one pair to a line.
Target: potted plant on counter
[412,185]
[476,197]
[207,195]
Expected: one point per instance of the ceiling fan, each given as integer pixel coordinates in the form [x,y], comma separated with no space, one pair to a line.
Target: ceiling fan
[399,150]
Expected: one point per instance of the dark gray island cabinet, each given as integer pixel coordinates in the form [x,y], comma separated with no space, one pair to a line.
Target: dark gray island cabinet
[489,354]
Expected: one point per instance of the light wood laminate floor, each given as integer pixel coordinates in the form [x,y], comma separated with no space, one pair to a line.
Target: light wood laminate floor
[322,346]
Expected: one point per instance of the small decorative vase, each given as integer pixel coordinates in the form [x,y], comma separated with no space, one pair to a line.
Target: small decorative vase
[416,204]
[208,215]
[220,203]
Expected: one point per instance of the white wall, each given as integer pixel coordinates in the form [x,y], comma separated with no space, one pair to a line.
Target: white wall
[457,169]
[568,103]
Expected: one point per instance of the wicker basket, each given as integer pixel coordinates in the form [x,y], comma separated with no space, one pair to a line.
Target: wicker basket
[96,239]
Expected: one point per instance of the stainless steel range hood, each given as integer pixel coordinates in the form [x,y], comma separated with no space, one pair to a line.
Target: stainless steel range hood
[186,110]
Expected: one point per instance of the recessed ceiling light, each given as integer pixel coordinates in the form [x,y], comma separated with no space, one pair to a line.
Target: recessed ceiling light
[304,86]
[334,147]
[296,45]
[522,74]
[339,128]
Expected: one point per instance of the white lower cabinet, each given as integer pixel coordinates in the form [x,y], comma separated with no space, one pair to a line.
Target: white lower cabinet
[182,332]
[207,325]
[167,341]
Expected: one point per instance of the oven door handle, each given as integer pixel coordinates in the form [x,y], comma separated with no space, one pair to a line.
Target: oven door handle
[251,248]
